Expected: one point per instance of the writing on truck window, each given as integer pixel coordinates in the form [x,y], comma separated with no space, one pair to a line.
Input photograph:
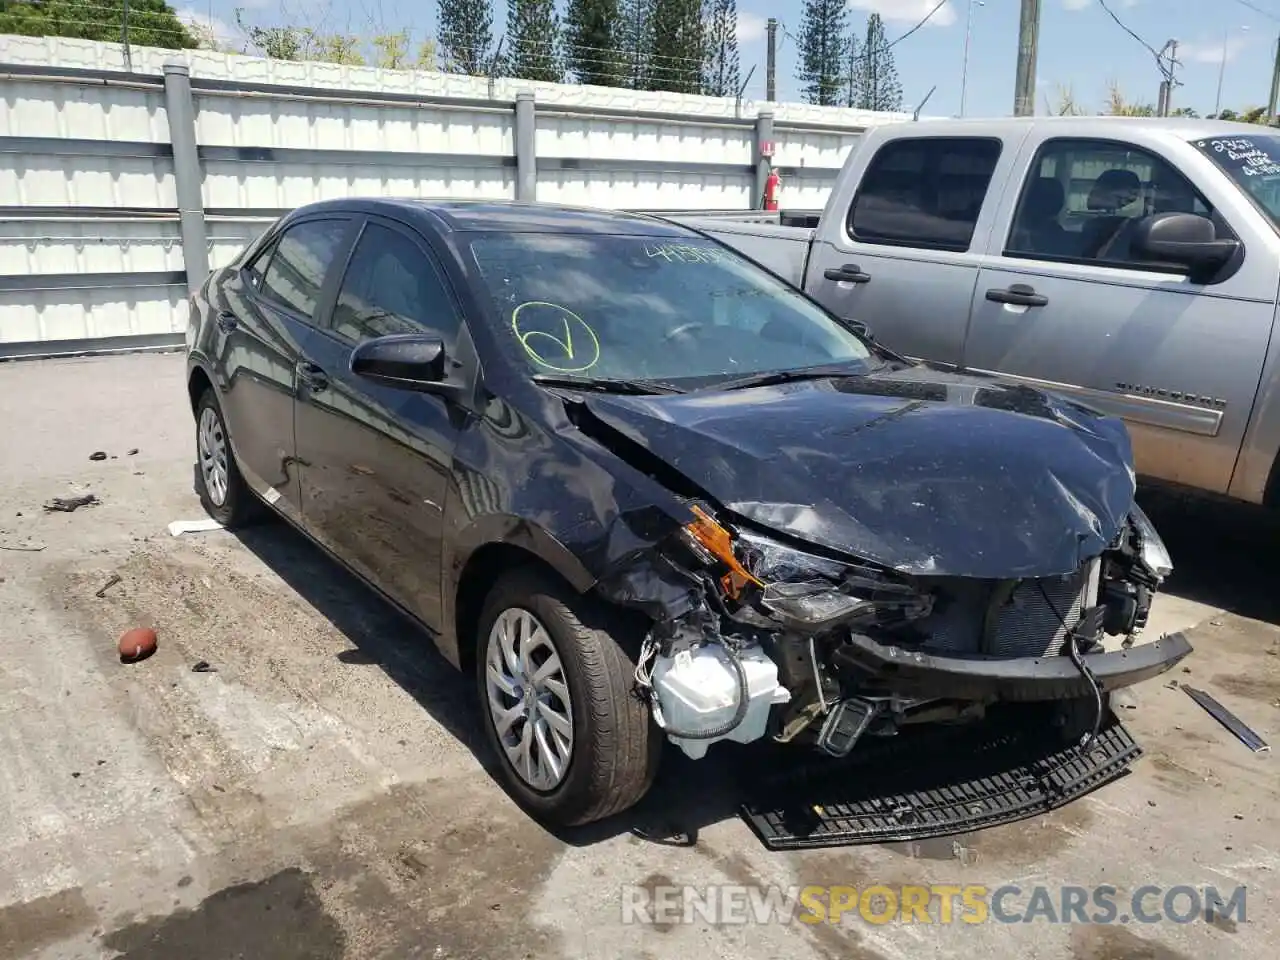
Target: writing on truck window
[1252,159]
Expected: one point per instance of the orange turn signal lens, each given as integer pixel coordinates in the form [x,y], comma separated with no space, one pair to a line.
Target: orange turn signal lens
[717,541]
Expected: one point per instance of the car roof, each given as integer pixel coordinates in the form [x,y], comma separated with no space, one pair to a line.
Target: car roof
[1181,128]
[505,216]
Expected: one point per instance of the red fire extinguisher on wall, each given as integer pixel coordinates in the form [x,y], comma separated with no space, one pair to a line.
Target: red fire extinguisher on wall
[772,186]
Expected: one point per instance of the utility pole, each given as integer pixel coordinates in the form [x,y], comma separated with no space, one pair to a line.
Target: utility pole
[771,61]
[1024,90]
[1164,102]
[1275,87]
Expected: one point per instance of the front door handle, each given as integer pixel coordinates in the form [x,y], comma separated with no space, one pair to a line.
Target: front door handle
[849,273]
[226,321]
[1019,295]
[312,376]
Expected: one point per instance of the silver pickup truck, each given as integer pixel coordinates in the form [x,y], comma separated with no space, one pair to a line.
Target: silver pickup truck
[1131,263]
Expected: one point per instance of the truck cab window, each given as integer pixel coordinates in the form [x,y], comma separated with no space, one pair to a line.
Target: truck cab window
[392,287]
[924,192]
[1083,199]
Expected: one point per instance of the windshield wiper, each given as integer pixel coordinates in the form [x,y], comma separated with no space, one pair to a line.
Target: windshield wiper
[771,377]
[607,385]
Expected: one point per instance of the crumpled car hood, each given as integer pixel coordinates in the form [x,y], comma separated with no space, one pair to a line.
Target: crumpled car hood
[922,471]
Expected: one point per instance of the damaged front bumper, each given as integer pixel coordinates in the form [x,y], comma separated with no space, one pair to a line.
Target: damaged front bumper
[926,676]
[753,636]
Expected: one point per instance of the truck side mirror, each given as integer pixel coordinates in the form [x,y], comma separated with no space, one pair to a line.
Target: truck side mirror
[1186,239]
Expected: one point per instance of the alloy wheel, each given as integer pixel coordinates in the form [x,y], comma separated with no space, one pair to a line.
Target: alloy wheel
[211,442]
[528,698]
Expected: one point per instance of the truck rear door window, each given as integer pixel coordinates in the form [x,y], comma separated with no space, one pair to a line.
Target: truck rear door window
[924,192]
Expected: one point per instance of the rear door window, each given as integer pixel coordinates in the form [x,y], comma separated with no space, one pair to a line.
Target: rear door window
[924,192]
[303,256]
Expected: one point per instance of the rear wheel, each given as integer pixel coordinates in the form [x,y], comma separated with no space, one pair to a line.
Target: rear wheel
[221,488]
[574,742]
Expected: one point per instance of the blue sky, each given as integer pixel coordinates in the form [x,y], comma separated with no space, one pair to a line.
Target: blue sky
[1081,48]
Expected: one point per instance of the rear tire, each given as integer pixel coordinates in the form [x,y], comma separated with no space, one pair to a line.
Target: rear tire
[544,655]
[219,484]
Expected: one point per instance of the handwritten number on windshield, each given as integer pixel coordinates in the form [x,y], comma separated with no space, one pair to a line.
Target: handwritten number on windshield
[555,337]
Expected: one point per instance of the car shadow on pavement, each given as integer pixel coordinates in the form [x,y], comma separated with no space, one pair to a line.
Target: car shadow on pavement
[1225,554]
[687,794]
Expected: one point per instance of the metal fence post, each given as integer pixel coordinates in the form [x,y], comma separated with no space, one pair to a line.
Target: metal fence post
[526,155]
[764,154]
[180,107]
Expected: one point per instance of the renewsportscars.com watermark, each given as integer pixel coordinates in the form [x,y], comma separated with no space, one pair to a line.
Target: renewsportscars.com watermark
[936,903]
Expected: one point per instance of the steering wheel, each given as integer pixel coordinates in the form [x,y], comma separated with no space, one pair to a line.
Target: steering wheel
[683,329]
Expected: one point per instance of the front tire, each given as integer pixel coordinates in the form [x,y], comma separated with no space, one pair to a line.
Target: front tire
[574,742]
[222,490]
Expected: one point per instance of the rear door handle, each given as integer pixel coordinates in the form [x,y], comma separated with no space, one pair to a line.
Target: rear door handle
[849,273]
[312,376]
[1020,295]
[226,321]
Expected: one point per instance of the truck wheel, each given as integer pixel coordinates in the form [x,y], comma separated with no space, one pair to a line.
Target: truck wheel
[574,742]
[221,488]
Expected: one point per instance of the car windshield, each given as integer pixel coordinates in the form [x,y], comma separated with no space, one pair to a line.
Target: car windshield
[652,308]
[1253,164]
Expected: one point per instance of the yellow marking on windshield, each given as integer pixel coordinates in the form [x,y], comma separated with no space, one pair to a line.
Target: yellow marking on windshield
[543,341]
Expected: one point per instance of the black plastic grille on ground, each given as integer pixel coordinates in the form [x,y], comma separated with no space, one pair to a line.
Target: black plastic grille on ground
[944,781]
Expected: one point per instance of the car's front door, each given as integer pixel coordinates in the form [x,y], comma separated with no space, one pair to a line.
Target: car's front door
[903,258]
[263,327]
[376,460]
[1065,302]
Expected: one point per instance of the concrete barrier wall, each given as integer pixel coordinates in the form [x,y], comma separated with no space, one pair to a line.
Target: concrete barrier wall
[111,209]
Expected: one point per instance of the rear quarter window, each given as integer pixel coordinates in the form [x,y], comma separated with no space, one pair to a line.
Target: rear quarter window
[924,192]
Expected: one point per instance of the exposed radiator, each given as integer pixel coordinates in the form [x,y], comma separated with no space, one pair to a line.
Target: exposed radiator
[1030,623]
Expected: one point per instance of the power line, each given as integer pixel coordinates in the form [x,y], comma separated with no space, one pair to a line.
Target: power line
[888,46]
[1248,5]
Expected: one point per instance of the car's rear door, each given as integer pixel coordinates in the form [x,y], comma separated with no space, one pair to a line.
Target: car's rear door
[375,460]
[265,319]
[903,257]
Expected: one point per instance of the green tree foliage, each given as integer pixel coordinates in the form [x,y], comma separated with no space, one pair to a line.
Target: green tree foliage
[302,43]
[822,50]
[593,40]
[391,51]
[466,36]
[853,63]
[876,75]
[721,77]
[152,23]
[636,38]
[533,40]
[678,46]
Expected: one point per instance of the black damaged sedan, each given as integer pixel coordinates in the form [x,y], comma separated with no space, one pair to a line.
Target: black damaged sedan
[642,490]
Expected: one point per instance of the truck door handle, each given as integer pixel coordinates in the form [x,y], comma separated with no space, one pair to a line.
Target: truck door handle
[312,376]
[849,273]
[226,321]
[1020,295]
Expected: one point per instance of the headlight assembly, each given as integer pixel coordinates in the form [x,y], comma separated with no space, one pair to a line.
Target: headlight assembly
[1151,549]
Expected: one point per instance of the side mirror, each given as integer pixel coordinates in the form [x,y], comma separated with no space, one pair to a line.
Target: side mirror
[409,361]
[1186,239]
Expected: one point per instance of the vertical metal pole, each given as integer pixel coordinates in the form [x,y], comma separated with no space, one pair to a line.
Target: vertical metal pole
[526,155]
[1275,87]
[764,134]
[1024,92]
[771,62]
[1222,72]
[1162,99]
[124,38]
[964,72]
[187,178]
